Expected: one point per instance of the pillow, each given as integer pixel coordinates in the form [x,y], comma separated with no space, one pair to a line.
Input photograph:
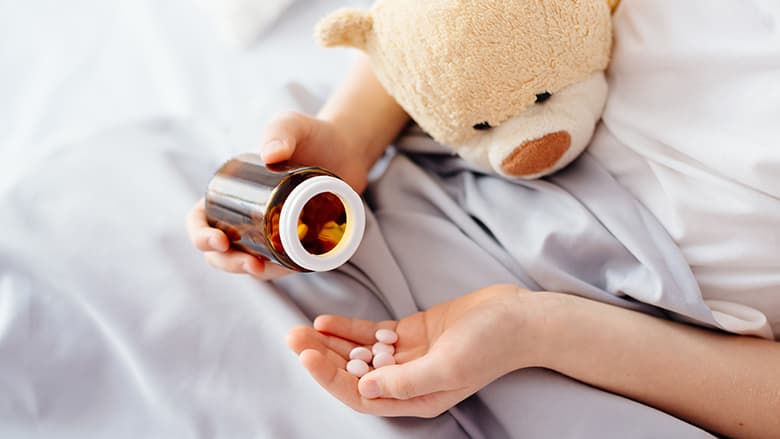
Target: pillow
[242,22]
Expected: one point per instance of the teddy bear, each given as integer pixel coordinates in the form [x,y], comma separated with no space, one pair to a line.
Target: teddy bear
[515,87]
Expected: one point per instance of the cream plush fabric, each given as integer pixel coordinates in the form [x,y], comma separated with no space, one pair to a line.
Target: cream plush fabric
[454,65]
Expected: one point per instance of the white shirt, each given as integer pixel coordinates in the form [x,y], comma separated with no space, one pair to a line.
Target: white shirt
[692,129]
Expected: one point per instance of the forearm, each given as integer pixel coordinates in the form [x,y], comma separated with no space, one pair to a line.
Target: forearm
[363,111]
[727,384]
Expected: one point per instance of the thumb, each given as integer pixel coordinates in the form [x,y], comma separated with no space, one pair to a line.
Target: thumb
[404,381]
[283,134]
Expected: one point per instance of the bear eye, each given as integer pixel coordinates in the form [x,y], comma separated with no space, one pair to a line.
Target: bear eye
[482,126]
[541,97]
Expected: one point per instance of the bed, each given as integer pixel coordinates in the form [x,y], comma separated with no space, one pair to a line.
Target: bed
[114,114]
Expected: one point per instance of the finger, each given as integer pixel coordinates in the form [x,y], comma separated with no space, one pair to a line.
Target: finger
[266,270]
[256,266]
[331,376]
[302,338]
[418,377]
[204,237]
[357,330]
[283,134]
[233,261]
[342,385]
[305,337]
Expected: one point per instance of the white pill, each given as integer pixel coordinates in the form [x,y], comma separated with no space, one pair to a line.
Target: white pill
[382,347]
[386,336]
[383,359]
[357,368]
[361,353]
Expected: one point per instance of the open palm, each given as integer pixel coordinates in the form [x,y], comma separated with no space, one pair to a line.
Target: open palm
[443,355]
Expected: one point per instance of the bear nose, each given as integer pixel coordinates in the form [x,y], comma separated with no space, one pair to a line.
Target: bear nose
[537,155]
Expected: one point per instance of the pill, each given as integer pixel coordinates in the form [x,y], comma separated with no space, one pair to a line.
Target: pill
[361,353]
[357,367]
[382,347]
[331,232]
[386,336]
[383,359]
[303,229]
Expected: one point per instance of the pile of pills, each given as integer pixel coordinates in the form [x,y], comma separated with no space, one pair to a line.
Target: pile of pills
[380,355]
[321,224]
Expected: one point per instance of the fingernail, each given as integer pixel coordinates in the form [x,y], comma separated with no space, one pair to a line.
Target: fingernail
[370,389]
[246,268]
[271,148]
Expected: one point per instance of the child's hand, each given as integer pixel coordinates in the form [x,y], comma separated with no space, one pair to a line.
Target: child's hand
[300,139]
[306,140]
[443,355]
[215,246]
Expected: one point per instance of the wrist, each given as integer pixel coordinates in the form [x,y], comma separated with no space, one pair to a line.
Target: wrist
[364,114]
[360,145]
[548,319]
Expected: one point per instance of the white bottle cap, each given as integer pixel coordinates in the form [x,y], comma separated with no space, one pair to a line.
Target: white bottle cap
[291,211]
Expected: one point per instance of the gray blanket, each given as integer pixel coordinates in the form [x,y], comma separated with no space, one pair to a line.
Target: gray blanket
[112,325]
[439,230]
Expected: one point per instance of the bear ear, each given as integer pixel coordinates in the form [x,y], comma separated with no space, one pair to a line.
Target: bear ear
[345,27]
[613,4]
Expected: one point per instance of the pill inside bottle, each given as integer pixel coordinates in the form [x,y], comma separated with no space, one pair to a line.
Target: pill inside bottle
[301,217]
[321,224]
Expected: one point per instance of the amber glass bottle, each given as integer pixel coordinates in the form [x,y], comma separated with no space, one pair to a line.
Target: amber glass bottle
[301,217]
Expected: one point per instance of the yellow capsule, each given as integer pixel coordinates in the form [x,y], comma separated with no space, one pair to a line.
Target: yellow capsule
[331,232]
[303,229]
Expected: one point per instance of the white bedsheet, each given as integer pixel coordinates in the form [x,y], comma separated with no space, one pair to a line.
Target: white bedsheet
[113,113]
[97,338]
[69,70]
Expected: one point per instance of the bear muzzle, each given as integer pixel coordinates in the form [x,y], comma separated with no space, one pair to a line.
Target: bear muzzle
[537,156]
